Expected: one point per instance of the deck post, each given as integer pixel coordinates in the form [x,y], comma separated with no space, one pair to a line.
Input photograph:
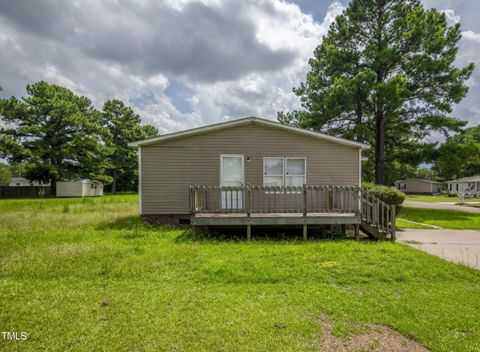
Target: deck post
[357,231]
[305,232]
[194,231]
[249,232]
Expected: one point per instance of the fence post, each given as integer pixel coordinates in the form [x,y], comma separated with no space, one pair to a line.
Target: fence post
[393,235]
[304,200]
[247,199]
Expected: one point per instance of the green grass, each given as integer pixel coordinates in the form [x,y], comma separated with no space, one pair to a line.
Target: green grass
[87,275]
[448,219]
[402,224]
[435,199]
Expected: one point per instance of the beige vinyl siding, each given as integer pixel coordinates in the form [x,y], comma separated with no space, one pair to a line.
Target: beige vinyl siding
[70,189]
[419,186]
[168,168]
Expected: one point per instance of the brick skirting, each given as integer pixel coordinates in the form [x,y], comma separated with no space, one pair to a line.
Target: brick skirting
[178,220]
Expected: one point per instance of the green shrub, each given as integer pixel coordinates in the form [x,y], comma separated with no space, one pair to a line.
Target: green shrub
[389,195]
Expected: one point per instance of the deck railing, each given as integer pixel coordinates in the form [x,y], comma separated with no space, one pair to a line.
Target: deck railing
[274,199]
[375,213]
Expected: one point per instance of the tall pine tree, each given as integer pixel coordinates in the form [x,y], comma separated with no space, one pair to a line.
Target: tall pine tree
[56,133]
[384,75]
[124,126]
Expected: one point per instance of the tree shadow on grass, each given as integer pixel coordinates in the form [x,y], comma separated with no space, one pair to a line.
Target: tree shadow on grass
[270,234]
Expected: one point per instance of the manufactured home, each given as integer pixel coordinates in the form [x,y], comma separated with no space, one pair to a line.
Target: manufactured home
[79,188]
[467,186]
[253,171]
[23,182]
[418,186]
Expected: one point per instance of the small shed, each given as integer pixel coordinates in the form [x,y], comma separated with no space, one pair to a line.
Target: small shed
[79,188]
[418,186]
[467,186]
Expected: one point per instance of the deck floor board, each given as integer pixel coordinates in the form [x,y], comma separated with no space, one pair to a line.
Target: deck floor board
[274,218]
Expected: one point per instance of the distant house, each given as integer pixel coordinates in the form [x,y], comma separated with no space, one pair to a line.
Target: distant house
[19,182]
[468,186]
[23,182]
[79,188]
[418,186]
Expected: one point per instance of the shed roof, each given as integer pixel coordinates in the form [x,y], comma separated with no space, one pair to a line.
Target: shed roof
[80,180]
[246,121]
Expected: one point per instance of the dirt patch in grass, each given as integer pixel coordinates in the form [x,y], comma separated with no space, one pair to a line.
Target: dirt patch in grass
[372,337]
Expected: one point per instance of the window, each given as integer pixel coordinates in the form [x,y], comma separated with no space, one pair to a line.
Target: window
[295,172]
[456,186]
[279,171]
[403,186]
[273,172]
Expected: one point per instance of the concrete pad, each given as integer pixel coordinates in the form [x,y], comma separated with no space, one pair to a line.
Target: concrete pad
[458,246]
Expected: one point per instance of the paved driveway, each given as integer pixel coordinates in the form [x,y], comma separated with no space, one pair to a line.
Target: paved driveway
[446,206]
[459,246]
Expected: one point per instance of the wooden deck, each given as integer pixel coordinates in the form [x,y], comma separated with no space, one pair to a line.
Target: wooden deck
[291,205]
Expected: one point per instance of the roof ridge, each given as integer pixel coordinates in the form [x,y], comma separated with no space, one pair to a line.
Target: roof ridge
[245,120]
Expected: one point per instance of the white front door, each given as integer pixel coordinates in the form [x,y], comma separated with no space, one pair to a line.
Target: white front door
[232,173]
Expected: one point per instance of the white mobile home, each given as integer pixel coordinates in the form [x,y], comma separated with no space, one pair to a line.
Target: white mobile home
[467,186]
[79,188]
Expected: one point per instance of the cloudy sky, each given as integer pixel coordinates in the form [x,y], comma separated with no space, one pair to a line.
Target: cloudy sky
[185,63]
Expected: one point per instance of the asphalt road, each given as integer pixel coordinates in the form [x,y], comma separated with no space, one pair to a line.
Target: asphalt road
[458,246]
[445,206]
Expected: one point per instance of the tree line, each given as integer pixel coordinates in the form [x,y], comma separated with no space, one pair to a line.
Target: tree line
[54,134]
[385,75]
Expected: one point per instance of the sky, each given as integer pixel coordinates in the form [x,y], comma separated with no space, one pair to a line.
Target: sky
[187,63]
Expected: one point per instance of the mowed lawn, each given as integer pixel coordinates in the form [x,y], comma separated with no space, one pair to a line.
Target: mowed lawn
[439,199]
[448,219]
[87,275]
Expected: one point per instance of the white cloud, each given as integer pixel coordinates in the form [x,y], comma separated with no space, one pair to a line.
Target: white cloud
[452,18]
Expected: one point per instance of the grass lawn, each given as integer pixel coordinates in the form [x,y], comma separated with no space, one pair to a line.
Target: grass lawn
[440,199]
[87,275]
[448,219]
[403,224]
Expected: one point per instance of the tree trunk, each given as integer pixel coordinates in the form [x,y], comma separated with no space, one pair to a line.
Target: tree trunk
[114,182]
[53,186]
[379,147]
[359,119]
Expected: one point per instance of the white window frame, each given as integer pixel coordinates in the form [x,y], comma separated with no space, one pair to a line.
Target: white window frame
[283,168]
[235,156]
[305,169]
[284,176]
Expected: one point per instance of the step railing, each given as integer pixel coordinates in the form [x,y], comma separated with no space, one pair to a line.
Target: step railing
[378,215]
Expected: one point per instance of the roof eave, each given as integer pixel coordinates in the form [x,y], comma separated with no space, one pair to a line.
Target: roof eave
[248,120]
